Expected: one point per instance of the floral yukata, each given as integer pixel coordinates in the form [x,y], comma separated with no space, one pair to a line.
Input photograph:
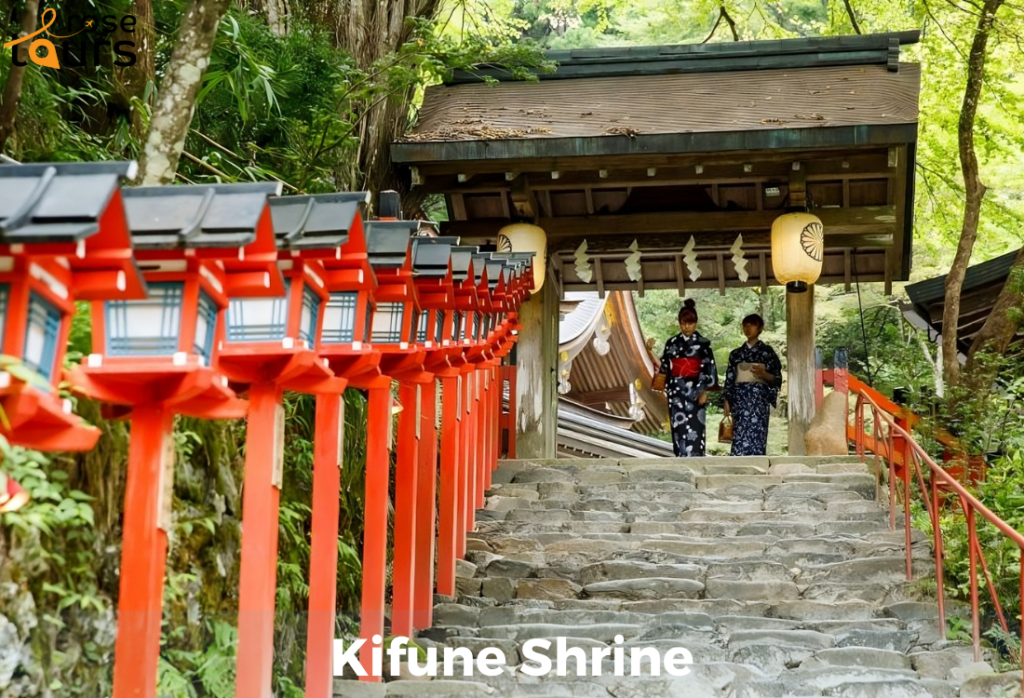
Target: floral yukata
[749,403]
[689,367]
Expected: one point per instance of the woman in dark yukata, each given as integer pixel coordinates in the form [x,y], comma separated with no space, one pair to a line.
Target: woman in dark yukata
[752,383]
[690,371]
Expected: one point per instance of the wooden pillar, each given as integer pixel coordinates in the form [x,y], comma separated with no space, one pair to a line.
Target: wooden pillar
[144,553]
[404,565]
[257,589]
[323,554]
[426,510]
[448,527]
[465,463]
[800,366]
[536,418]
[375,521]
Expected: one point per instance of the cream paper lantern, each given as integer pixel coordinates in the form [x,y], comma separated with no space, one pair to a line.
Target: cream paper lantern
[798,246]
[524,237]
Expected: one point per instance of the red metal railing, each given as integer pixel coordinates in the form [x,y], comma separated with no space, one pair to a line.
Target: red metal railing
[906,460]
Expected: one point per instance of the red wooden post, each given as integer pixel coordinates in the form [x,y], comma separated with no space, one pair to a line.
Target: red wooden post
[426,480]
[510,421]
[323,554]
[405,512]
[481,430]
[465,465]
[261,496]
[144,552]
[375,520]
[451,422]
[841,371]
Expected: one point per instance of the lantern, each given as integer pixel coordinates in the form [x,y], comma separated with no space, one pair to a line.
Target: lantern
[158,356]
[798,245]
[524,237]
[396,315]
[63,238]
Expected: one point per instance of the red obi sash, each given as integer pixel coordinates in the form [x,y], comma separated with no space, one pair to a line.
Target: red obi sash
[686,368]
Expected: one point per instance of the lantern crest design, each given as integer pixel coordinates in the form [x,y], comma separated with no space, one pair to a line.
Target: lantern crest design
[525,237]
[798,246]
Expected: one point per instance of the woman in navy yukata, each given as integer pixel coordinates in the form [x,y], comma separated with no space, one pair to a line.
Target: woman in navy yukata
[690,371]
[752,383]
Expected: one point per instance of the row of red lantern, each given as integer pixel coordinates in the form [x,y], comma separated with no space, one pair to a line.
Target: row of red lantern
[200,293]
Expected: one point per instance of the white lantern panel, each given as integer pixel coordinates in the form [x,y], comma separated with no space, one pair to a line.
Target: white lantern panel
[147,327]
[439,316]
[340,318]
[258,319]
[41,335]
[206,326]
[387,323]
[310,311]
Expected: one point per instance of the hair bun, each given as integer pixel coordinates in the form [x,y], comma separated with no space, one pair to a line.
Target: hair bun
[690,303]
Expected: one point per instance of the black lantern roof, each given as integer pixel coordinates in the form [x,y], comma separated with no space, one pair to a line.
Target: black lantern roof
[200,215]
[495,271]
[480,260]
[387,242]
[316,221]
[462,257]
[58,202]
[431,256]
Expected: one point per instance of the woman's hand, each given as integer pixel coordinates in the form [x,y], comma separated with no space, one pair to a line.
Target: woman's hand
[759,371]
[702,398]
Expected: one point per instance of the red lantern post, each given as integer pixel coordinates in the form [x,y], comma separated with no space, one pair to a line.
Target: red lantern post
[432,267]
[324,232]
[271,347]
[158,357]
[392,334]
[63,237]
[451,520]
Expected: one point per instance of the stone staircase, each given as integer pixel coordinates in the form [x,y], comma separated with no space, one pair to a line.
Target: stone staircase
[779,575]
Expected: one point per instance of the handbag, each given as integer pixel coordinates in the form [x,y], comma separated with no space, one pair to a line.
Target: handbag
[658,383]
[725,430]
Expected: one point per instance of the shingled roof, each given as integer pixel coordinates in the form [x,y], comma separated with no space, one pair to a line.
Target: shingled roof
[58,202]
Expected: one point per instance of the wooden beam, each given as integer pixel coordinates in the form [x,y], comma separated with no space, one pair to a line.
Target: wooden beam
[680,276]
[458,207]
[861,220]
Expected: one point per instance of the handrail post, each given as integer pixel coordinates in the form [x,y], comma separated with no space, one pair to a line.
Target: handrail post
[972,537]
[939,571]
[907,465]
[892,475]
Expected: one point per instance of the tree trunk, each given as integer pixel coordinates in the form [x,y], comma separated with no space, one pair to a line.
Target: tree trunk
[1005,319]
[12,88]
[374,29]
[130,82]
[973,188]
[172,114]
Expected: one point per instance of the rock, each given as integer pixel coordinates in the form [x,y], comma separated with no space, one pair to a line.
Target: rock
[547,589]
[1005,685]
[510,568]
[464,568]
[542,475]
[465,586]
[359,689]
[649,588]
[501,589]
[611,570]
[789,469]
[960,674]
[456,614]
[826,435]
[858,657]
[438,689]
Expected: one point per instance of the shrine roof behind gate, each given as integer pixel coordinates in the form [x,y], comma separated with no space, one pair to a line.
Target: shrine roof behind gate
[658,144]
